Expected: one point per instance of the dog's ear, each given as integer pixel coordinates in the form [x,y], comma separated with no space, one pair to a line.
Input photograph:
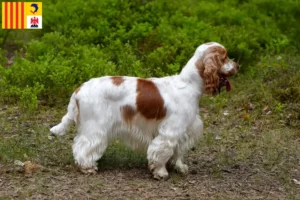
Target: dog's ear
[210,75]
[209,65]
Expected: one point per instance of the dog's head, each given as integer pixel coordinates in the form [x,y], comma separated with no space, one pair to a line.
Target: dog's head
[214,67]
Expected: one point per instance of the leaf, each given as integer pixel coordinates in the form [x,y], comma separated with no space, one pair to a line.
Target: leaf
[30,167]
[245,116]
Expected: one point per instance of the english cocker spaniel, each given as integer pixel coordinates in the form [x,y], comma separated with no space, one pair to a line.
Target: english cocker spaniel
[157,115]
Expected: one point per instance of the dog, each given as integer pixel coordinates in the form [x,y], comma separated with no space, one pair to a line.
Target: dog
[157,115]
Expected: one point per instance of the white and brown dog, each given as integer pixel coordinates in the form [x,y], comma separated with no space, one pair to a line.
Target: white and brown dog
[157,115]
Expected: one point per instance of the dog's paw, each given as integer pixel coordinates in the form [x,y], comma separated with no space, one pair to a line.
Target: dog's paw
[160,174]
[182,168]
[58,130]
[90,170]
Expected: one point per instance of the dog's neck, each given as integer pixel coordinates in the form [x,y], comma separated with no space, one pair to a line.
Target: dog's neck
[190,75]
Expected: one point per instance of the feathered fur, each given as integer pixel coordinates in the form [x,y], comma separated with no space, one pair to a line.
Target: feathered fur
[156,115]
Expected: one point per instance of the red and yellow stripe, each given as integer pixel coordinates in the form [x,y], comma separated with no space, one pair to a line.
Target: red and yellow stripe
[14,14]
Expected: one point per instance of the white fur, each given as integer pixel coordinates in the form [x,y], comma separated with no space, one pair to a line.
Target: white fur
[167,140]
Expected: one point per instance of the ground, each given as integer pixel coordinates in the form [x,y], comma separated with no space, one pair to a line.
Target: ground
[138,184]
[249,151]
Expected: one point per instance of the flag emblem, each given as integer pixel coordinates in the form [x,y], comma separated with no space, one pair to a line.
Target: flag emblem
[21,15]
[34,21]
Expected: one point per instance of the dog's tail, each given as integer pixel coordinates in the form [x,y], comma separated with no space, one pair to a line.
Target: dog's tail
[69,118]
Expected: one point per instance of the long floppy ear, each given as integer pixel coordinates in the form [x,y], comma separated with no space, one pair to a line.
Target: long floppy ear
[209,66]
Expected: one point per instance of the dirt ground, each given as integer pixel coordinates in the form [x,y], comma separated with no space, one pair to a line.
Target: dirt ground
[202,183]
[239,166]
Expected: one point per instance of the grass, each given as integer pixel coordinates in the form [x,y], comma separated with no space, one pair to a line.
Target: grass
[259,145]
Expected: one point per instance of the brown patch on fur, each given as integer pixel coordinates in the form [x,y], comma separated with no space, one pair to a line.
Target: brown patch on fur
[128,113]
[77,103]
[149,102]
[78,108]
[117,80]
[209,66]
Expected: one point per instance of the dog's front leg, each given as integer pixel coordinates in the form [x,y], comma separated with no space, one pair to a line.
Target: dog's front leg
[159,152]
[162,148]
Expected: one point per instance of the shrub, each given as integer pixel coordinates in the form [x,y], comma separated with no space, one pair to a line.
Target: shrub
[85,39]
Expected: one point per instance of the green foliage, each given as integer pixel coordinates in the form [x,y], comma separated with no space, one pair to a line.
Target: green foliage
[29,99]
[282,75]
[86,39]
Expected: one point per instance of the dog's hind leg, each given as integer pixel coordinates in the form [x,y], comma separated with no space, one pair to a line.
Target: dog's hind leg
[89,146]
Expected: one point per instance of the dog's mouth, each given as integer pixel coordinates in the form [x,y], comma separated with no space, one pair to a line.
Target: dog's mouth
[224,82]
